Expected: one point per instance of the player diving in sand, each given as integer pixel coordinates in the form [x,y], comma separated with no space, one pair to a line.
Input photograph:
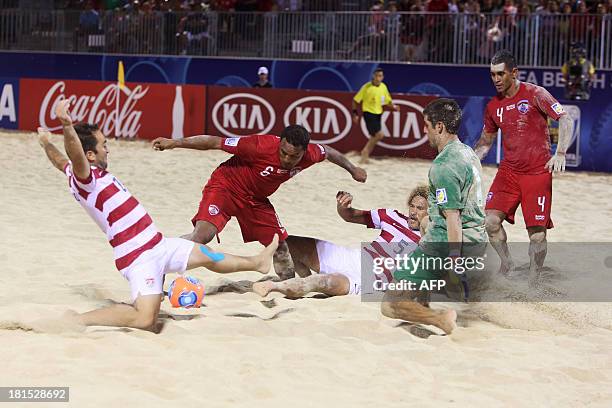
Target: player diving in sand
[339,268]
[240,186]
[521,110]
[142,254]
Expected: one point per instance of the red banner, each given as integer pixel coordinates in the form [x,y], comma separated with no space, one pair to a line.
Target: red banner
[326,115]
[138,110]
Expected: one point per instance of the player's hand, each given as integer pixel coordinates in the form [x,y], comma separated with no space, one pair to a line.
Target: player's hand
[161,144]
[359,174]
[395,107]
[344,199]
[356,119]
[62,113]
[43,136]
[556,163]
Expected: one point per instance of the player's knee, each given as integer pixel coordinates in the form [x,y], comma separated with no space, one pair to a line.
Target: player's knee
[387,309]
[203,234]
[335,285]
[538,236]
[492,224]
[145,320]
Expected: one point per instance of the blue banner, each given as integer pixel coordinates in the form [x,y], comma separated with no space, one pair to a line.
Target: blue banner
[471,86]
[9,103]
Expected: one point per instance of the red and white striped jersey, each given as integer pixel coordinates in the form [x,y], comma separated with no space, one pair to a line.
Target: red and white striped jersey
[395,229]
[127,225]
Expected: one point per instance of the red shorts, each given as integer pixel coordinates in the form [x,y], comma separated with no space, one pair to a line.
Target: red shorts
[532,191]
[257,218]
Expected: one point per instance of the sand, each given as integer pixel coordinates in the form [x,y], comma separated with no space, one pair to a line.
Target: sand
[238,351]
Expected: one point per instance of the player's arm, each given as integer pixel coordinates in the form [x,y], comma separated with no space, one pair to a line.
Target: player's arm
[355,102]
[201,142]
[74,149]
[345,210]
[484,144]
[547,104]
[454,231]
[56,157]
[339,159]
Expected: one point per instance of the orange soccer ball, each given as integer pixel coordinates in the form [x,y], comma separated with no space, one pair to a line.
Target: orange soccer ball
[186,291]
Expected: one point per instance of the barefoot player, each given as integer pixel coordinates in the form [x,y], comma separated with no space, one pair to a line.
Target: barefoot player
[456,218]
[240,186]
[524,177]
[339,268]
[142,254]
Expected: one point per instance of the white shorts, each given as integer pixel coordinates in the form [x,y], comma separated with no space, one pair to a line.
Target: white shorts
[146,274]
[338,259]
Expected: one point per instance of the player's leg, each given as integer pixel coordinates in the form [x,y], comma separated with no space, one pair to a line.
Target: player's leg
[502,201]
[401,305]
[220,262]
[259,222]
[409,305]
[304,254]
[373,124]
[332,285]
[536,202]
[142,314]
[215,210]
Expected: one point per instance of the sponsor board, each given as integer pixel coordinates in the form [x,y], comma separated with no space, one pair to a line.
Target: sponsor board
[9,102]
[136,111]
[326,115]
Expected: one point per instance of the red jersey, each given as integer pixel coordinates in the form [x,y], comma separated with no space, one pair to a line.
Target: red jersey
[524,125]
[255,170]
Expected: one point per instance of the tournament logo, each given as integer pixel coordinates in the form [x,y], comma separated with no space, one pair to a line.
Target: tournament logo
[523,106]
[213,209]
[441,197]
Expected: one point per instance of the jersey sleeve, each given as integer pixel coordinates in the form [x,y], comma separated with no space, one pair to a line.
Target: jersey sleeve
[388,96]
[359,95]
[447,182]
[372,219]
[316,153]
[546,103]
[244,147]
[489,124]
[87,184]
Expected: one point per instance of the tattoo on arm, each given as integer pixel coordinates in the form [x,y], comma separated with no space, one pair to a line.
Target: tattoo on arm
[338,159]
[283,264]
[566,129]
[484,144]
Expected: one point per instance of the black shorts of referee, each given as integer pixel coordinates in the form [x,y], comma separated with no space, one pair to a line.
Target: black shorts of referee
[373,122]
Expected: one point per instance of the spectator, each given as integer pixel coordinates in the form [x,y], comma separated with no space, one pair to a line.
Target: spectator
[263,82]
[487,7]
[453,7]
[89,20]
[542,7]
[192,31]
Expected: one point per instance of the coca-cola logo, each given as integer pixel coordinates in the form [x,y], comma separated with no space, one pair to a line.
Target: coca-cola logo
[115,117]
[403,130]
[327,120]
[242,114]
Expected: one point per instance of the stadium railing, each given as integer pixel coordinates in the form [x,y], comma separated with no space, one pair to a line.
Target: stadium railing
[439,38]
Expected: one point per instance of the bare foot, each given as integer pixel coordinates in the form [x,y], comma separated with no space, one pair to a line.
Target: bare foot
[448,321]
[263,288]
[264,259]
[534,278]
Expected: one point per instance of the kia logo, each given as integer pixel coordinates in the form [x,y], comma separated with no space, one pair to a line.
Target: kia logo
[403,130]
[320,116]
[243,112]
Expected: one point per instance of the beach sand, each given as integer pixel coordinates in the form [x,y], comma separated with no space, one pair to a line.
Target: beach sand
[239,351]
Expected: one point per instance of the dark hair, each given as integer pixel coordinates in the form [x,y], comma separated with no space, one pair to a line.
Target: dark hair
[504,57]
[296,135]
[86,131]
[446,111]
[377,70]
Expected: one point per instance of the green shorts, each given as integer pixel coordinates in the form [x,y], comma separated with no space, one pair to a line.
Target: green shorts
[421,267]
